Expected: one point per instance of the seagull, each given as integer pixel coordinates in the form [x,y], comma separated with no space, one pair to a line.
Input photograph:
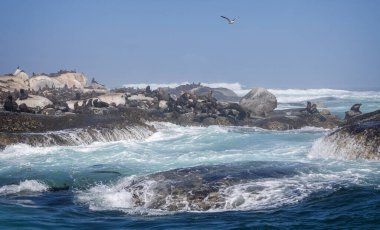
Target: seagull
[229,20]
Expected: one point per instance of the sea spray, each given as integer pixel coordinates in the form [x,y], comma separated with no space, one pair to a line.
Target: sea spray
[26,186]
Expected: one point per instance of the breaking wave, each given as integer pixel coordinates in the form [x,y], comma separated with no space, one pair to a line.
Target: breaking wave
[26,186]
[213,189]
[84,136]
[283,95]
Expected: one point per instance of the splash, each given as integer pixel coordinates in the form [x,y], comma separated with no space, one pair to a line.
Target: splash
[342,146]
[26,186]
[84,136]
[214,189]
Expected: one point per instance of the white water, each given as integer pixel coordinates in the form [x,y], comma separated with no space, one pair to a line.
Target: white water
[26,186]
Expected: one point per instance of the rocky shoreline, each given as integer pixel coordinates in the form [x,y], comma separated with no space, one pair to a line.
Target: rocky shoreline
[37,109]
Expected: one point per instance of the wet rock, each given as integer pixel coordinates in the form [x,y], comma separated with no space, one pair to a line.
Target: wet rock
[209,121]
[162,105]
[358,138]
[117,98]
[34,101]
[48,112]
[186,118]
[203,188]
[221,94]
[259,102]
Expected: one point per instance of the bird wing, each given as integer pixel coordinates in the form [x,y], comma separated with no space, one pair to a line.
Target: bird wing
[226,18]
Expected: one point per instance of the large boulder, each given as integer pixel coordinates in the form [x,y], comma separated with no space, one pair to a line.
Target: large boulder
[59,80]
[116,98]
[259,102]
[34,101]
[42,81]
[16,81]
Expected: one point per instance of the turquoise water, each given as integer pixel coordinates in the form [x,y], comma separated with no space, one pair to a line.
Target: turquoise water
[294,186]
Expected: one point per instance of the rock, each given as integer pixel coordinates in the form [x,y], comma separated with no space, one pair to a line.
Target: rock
[358,138]
[221,94]
[163,94]
[203,188]
[209,121]
[162,105]
[34,101]
[48,112]
[20,80]
[186,119]
[259,102]
[117,98]
[223,121]
[325,112]
[17,81]
[140,97]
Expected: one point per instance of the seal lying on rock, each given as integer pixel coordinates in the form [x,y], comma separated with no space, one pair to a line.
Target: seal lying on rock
[354,111]
[10,104]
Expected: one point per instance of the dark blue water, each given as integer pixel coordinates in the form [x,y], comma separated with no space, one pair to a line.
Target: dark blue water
[346,208]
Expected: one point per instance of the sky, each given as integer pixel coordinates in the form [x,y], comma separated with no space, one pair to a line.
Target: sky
[273,44]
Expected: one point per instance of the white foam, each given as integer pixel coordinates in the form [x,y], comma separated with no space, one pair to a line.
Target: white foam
[341,147]
[24,186]
[154,86]
[302,95]
[239,89]
[255,195]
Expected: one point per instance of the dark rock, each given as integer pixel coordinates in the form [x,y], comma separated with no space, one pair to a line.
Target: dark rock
[358,138]
[209,121]
[203,188]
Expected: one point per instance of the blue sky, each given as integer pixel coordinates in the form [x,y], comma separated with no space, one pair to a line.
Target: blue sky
[274,43]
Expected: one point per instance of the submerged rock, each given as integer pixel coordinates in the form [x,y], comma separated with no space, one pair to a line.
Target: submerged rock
[205,188]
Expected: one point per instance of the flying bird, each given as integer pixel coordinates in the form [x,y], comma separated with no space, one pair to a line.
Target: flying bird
[230,21]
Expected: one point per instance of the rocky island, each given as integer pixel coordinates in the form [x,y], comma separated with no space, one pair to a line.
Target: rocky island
[37,109]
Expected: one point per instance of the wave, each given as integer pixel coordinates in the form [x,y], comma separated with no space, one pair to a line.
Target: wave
[154,86]
[26,186]
[81,136]
[302,95]
[341,146]
[253,186]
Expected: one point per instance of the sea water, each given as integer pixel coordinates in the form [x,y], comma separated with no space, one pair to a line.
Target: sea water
[290,184]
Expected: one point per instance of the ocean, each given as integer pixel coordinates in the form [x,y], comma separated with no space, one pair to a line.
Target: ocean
[259,178]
